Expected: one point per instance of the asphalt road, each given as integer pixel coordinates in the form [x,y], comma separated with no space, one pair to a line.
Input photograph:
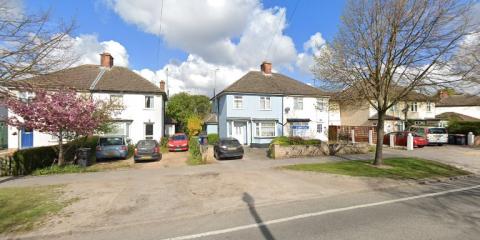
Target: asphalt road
[445,210]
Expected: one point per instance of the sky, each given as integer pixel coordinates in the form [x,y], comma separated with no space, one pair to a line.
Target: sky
[198,41]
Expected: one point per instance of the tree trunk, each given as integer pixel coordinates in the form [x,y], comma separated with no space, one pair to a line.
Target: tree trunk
[61,159]
[380,133]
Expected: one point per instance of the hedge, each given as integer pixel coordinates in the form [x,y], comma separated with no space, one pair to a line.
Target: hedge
[455,127]
[213,138]
[195,157]
[26,161]
[285,141]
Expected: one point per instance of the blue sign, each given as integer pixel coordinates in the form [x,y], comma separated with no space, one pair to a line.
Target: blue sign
[299,127]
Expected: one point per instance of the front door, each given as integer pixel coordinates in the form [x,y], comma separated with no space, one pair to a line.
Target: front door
[240,132]
[27,138]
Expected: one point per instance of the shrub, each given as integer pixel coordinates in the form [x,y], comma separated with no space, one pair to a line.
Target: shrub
[212,138]
[131,150]
[26,161]
[286,141]
[194,125]
[456,127]
[195,152]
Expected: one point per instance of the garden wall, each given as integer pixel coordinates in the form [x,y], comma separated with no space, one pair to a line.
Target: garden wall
[324,149]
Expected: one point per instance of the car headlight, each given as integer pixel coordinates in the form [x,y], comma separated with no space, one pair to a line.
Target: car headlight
[184,145]
[223,147]
[170,145]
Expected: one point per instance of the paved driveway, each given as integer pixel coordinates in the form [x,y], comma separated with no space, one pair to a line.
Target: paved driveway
[464,157]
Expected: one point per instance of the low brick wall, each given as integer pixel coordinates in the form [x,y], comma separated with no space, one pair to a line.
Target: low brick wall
[295,151]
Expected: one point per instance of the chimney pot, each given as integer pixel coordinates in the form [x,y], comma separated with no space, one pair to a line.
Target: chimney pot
[106,60]
[162,85]
[266,67]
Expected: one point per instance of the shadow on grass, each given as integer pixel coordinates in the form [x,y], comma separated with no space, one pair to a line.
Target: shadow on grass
[250,201]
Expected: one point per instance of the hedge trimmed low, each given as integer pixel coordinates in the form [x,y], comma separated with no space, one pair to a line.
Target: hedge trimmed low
[286,141]
[213,138]
[455,127]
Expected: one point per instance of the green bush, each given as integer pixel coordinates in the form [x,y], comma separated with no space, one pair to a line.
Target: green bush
[55,169]
[286,141]
[131,150]
[195,157]
[213,138]
[26,161]
[455,127]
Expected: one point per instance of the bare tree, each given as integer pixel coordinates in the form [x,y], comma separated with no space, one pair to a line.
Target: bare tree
[386,48]
[467,61]
[30,44]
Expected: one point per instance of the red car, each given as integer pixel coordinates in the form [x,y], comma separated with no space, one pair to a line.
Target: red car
[401,139]
[178,142]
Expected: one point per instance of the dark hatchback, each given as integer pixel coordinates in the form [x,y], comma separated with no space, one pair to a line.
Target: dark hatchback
[228,148]
[147,150]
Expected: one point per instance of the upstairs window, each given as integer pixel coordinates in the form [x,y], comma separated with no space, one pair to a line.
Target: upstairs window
[237,102]
[429,106]
[298,103]
[265,103]
[117,100]
[149,102]
[320,105]
[413,107]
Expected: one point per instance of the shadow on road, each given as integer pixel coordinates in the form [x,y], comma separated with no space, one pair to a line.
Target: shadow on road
[248,199]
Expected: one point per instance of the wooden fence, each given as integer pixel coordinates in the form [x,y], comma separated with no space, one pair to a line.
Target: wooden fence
[344,133]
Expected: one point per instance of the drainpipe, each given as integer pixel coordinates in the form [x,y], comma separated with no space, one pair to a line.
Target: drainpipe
[282,117]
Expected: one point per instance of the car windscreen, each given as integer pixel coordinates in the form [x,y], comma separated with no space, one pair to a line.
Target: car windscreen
[229,143]
[147,144]
[437,130]
[179,137]
[111,141]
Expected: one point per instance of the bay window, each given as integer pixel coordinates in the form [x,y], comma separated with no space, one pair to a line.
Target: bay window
[265,129]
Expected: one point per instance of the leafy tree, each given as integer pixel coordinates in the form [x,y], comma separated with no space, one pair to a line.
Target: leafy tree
[194,125]
[385,49]
[181,106]
[63,114]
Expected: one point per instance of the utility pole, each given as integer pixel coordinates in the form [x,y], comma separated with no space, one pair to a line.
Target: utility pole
[215,99]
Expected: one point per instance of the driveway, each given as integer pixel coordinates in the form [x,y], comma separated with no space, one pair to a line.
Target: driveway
[464,157]
[169,160]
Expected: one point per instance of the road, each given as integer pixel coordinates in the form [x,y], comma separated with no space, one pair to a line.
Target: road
[443,210]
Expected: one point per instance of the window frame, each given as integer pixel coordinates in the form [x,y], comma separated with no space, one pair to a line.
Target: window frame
[321,102]
[148,137]
[298,103]
[414,107]
[429,106]
[259,129]
[237,99]
[264,106]
[152,102]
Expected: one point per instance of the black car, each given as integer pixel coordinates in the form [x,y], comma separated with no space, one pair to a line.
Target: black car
[228,148]
[147,150]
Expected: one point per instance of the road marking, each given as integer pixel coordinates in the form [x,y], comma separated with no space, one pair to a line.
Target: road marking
[314,214]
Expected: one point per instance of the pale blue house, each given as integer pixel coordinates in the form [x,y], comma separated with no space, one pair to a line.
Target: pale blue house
[252,109]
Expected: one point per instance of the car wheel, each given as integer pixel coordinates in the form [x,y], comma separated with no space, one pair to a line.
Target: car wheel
[440,144]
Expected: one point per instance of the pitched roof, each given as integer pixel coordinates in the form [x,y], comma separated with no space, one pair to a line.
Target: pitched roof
[275,83]
[459,100]
[352,94]
[456,116]
[93,78]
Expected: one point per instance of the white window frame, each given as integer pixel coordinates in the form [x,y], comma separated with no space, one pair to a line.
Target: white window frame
[413,107]
[26,96]
[298,103]
[321,104]
[429,107]
[237,102]
[265,103]
[145,130]
[319,127]
[259,129]
[152,102]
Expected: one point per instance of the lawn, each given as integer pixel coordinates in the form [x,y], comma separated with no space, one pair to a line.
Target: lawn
[98,167]
[22,208]
[395,168]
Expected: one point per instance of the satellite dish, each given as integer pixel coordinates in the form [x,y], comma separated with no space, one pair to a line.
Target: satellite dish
[287,109]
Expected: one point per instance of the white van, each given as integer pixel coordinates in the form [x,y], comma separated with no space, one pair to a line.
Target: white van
[434,135]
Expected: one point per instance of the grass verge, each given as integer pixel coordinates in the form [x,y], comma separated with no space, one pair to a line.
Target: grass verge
[21,209]
[395,168]
[98,167]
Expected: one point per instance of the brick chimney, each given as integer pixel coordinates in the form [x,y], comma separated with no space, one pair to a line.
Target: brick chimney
[266,67]
[162,85]
[106,60]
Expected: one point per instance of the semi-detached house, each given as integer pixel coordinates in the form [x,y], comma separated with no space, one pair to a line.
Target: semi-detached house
[143,101]
[262,105]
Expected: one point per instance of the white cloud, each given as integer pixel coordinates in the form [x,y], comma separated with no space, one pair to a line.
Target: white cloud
[86,50]
[305,60]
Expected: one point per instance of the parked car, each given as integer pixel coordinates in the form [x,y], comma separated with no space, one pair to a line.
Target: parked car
[111,147]
[401,139]
[147,150]
[434,135]
[178,142]
[228,148]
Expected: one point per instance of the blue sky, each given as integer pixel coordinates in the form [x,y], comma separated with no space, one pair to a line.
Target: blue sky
[110,21]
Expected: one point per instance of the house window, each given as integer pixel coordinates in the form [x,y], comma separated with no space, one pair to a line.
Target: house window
[26,96]
[265,129]
[413,107]
[149,102]
[298,103]
[319,128]
[148,130]
[117,100]
[237,102]
[393,108]
[320,105]
[429,106]
[265,103]
[299,129]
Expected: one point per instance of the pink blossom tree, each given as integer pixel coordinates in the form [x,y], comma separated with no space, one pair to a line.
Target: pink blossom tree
[63,114]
